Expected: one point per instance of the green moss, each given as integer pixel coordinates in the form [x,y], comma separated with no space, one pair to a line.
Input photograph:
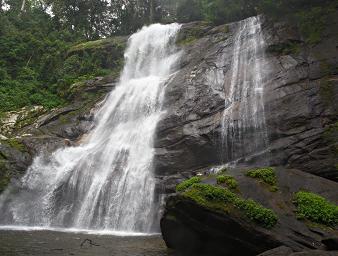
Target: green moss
[331,133]
[326,91]
[187,183]
[266,175]
[286,48]
[316,208]
[15,143]
[4,181]
[224,200]
[228,180]
[4,176]
[63,119]
[102,43]
[190,35]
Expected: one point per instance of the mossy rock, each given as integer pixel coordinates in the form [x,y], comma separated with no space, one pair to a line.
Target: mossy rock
[222,199]
[266,175]
[228,180]
[117,42]
[190,35]
[286,48]
[4,176]
[316,208]
[15,143]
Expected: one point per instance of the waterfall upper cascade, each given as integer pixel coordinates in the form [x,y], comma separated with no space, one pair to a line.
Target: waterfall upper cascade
[106,183]
[244,131]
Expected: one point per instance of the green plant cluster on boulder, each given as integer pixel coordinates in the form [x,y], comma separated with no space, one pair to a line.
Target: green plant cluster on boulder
[187,183]
[316,208]
[222,199]
[266,175]
[228,180]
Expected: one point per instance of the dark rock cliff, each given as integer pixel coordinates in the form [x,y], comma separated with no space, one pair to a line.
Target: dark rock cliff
[299,98]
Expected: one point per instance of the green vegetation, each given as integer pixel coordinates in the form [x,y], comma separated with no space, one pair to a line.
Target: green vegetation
[267,175]
[191,35]
[326,91]
[289,47]
[316,208]
[331,132]
[228,180]
[312,21]
[4,181]
[310,16]
[187,183]
[222,199]
[42,55]
[15,143]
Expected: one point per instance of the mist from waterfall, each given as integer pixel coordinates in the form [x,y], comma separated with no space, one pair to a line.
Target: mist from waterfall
[107,182]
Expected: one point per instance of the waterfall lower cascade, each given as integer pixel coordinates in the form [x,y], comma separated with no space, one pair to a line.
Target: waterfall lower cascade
[244,131]
[106,183]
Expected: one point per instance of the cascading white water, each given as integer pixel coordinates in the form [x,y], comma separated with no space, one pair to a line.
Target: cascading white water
[243,126]
[106,183]
[244,131]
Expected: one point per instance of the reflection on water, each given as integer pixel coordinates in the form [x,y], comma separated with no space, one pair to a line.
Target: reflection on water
[43,243]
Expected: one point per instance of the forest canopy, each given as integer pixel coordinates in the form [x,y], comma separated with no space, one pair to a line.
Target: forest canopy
[36,35]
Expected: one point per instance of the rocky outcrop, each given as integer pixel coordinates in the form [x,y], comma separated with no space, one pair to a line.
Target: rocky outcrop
[299,96]
[32,131]
[192,228]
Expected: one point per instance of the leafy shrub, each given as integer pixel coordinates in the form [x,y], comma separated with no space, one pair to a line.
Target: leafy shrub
[228,180]
[316,208]
[221,198]
[257,213]
[267,175]
[187,183]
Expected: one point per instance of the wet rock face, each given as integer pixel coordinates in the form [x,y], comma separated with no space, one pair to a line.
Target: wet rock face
[300,85]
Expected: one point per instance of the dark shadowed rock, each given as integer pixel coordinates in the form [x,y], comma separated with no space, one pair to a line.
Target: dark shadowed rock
[331,243]
[279,251]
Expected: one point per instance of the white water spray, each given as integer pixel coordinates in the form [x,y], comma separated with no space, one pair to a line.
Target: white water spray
[107,182]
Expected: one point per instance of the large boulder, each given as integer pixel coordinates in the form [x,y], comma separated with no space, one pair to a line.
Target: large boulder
[193,228]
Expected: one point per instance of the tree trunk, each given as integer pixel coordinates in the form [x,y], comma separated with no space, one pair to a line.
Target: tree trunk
[23,5]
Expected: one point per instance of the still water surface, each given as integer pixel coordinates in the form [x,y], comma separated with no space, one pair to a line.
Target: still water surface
[45,243]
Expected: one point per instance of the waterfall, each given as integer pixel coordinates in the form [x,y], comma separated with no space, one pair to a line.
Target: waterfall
[244,132]
[243,126]
[107,182]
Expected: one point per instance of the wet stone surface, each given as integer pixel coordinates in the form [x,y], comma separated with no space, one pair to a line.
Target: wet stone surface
[43,243]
